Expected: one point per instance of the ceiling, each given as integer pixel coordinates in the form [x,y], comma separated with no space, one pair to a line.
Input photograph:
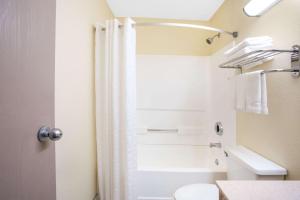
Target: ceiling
[168,9]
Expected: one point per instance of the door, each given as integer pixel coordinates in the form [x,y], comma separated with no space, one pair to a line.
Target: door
[27,58]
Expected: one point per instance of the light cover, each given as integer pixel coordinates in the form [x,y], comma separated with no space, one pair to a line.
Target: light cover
[256,8]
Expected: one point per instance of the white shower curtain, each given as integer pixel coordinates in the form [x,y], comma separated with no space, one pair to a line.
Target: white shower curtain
[115,110]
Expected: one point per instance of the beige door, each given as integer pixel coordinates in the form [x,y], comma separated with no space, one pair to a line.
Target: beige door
[27,38]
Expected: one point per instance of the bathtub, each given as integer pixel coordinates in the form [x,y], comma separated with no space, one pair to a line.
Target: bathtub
[163,169]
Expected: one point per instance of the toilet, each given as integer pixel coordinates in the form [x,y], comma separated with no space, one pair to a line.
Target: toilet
[242,164]
[197,192]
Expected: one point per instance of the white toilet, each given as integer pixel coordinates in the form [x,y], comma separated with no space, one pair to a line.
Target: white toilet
[242,164]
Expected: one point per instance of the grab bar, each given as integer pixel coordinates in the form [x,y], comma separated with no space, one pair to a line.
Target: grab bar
[162,130]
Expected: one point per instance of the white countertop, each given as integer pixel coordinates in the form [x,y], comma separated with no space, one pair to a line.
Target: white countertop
[260,190]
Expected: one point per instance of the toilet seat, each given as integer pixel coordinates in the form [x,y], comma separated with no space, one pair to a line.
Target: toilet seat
[197,192]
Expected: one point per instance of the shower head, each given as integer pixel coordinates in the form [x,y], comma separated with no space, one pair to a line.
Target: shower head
[211,39]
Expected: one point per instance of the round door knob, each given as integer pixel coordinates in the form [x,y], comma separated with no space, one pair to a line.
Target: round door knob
[55,134]
[45,133]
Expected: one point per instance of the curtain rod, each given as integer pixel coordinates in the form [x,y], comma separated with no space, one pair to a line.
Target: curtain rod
[180,25]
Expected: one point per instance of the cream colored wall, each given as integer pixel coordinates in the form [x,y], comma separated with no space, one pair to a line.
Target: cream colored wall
[74,97]
[277,135]
[172,41]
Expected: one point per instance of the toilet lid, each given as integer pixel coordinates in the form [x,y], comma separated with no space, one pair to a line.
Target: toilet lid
[197,192]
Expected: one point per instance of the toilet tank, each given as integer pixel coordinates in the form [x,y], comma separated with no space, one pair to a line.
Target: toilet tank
[244,164]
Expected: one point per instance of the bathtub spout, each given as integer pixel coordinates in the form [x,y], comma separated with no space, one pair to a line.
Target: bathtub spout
[217,145]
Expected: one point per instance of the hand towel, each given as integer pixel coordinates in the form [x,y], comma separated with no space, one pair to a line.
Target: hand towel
[240,98]
[251,93]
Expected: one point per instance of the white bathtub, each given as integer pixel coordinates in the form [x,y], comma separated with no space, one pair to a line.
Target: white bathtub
[158,178]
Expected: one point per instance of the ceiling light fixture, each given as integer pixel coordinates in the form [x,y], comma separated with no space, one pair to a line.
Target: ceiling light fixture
[256,8]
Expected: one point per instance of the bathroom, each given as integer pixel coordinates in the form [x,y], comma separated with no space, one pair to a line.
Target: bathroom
[142,103]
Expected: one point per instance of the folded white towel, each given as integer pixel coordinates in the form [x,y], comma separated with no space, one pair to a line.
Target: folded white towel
[248,66]
[249,49]
[251,92]
[253,41]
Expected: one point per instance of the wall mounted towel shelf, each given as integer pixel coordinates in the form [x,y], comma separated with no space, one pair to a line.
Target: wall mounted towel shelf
[262,55]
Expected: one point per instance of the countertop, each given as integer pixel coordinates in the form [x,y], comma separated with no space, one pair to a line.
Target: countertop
[260,190]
